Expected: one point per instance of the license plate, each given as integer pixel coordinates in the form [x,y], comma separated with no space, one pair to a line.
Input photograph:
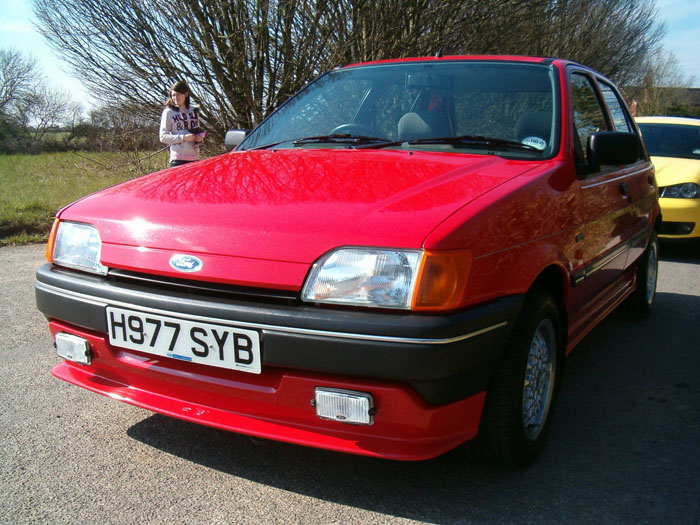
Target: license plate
[211,344]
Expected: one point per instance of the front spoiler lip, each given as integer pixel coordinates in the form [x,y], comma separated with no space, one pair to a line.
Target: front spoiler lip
[445,358]
[463,417]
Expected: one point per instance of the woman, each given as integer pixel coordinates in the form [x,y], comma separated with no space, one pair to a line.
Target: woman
[177,124]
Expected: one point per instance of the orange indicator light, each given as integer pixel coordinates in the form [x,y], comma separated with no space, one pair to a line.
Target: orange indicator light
[442,281]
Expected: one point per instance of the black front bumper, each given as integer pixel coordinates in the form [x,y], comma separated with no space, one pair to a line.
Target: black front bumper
[445,358]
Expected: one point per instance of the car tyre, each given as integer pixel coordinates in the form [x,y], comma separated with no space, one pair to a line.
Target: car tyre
[519,402]
[641,301]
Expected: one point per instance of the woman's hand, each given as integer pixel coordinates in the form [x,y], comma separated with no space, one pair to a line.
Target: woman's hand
[192,137]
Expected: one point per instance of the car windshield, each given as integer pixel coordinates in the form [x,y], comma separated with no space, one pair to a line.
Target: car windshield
[483,107]
[671,140]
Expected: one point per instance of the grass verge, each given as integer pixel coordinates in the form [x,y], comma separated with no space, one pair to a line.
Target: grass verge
[34,187]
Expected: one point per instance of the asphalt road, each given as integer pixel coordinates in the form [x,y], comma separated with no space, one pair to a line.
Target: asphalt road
[624,445]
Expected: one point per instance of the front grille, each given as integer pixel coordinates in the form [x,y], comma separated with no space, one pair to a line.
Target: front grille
[205,289]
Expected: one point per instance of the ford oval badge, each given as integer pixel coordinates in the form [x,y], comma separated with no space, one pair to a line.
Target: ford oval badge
[185,263]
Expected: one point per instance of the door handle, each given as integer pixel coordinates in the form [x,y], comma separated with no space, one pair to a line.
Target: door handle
[625,190]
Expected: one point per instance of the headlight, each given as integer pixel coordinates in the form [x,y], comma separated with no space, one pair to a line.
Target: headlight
[76,245]
[689,190]
[388,278]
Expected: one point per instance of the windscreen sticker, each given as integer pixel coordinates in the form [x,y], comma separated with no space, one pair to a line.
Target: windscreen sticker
[535,142]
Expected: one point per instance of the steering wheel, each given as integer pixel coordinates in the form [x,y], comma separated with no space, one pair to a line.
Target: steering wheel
[352,129]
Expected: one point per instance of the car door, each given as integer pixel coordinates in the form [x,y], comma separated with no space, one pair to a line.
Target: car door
[639,177]
[606,220]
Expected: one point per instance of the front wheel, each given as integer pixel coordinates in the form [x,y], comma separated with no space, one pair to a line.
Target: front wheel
[519,402]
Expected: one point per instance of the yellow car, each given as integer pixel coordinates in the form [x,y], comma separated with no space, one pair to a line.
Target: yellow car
[674,146]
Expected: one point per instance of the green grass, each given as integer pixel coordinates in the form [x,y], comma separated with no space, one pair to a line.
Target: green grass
[34,187]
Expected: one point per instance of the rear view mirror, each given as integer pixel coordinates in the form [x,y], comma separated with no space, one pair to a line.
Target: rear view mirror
[613,148]
[429,81]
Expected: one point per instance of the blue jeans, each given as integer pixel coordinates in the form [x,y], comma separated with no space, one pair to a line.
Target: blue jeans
[174,163]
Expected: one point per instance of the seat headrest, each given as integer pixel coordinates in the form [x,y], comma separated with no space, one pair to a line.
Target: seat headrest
[411,126]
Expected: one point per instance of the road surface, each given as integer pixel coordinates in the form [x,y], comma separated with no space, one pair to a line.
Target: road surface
[623,448]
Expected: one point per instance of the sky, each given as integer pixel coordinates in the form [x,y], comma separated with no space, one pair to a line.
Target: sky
[682,18]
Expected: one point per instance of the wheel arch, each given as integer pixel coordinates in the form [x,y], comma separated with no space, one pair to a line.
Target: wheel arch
[554,280]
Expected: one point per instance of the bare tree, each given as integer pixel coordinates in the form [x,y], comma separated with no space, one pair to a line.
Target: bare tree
[612,36]
[42,109]
[663,86]
[18,75]
[376,30]
[122,127]
[242,58]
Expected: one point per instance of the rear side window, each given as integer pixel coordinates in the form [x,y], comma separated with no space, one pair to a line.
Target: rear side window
[615,106]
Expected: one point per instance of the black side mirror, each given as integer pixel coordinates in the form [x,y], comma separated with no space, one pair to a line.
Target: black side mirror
[613,148]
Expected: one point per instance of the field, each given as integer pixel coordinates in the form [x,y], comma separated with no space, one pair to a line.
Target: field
[35,187]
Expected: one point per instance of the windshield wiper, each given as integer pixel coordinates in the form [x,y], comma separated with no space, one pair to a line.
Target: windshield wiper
[266,146]
[341,138]
[367,142]
[475,140]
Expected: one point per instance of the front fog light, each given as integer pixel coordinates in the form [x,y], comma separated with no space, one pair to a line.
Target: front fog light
[344,405]
[73,348]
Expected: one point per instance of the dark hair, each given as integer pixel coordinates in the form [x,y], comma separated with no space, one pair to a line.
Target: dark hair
[179,87]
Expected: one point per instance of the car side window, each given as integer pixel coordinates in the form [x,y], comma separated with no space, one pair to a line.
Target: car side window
[588,114]
[615,106]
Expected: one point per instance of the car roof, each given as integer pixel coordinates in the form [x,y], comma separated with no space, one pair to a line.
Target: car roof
[502,58]
[684,121]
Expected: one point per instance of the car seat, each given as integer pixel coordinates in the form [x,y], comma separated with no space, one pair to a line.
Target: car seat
[428,118]
[412,126]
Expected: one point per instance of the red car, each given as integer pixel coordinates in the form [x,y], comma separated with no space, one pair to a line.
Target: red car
[394,263]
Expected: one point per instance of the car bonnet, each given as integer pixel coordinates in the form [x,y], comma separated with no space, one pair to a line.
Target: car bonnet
[672,170]
[273,213]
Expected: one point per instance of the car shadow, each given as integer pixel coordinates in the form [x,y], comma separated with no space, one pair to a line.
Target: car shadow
[624,436]
[680,250]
